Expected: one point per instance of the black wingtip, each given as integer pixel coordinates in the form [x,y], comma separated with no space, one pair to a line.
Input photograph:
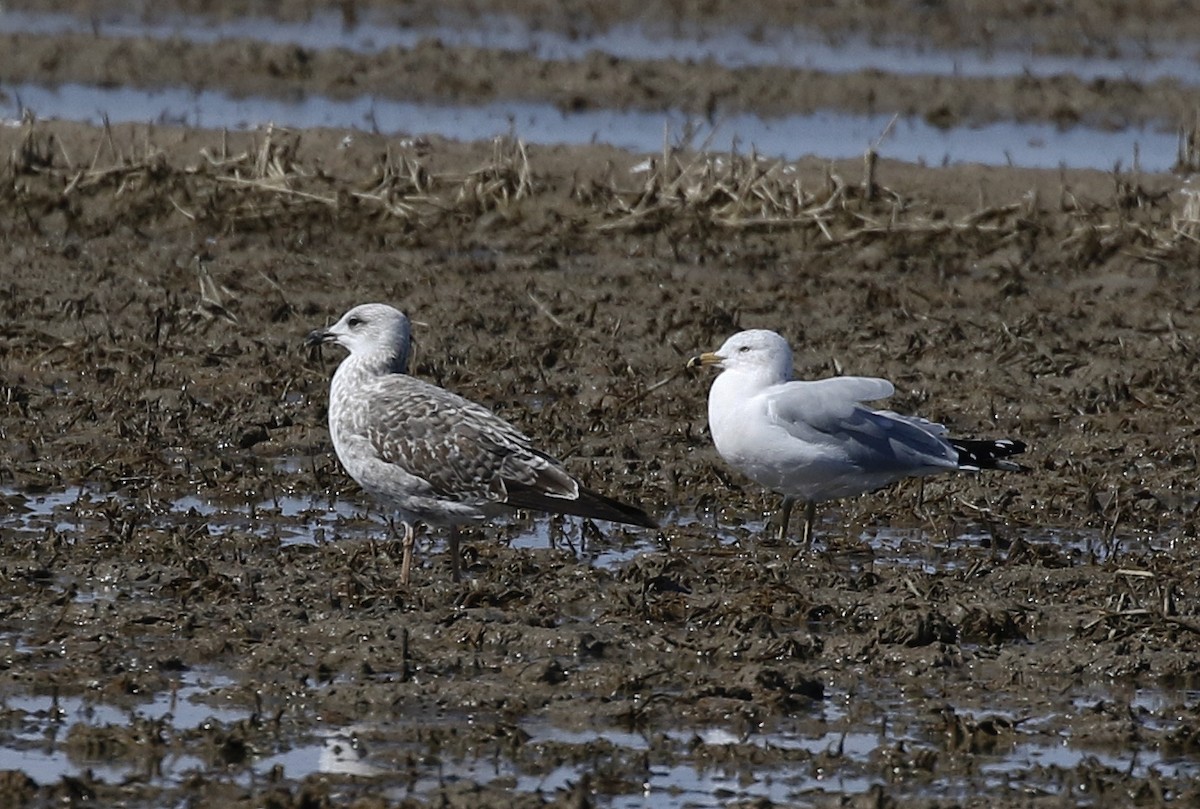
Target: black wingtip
[979,454]
[590,504]
[602,507]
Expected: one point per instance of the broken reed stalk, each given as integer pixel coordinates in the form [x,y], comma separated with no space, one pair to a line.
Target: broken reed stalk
[730,191]
[1187,159]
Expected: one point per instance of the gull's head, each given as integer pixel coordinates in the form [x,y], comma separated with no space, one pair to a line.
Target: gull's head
[371,331]
[757,351]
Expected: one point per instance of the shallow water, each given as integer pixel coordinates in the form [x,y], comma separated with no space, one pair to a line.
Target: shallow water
[292,519]
[726,46]
[308,519]
[826,134]
[56,510]
[38,725]
[854,743]
[829,135]
[338,750]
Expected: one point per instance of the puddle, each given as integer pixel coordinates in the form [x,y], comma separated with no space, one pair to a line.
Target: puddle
[615,549]
[1135,764]
[544,732]
[294,519]
[664,782]
[48,767]
[686,787]
[933,552]
[337,752]
[857,745]
[829,135]
[35,737]
[726,46]
[185,708]
[669,785]
[55,511]
[291,519]
[1157,701]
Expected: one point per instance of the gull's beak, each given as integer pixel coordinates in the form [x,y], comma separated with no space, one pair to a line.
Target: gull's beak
[705,360]
[318,336]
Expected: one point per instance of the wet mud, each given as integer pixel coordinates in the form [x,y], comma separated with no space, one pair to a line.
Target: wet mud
[200,608]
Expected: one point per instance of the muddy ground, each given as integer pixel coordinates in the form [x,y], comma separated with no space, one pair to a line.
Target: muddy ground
[158,413]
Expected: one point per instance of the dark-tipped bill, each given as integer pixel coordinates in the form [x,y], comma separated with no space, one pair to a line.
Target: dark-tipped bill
[705,360]
[318,336]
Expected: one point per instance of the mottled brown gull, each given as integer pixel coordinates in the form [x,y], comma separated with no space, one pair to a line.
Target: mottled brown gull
[430,455]
[816,441]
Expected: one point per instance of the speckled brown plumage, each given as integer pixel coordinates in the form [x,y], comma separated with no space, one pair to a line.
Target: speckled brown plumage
[429,454]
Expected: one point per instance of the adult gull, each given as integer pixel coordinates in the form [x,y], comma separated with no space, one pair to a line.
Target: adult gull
[816,441]
[430,455]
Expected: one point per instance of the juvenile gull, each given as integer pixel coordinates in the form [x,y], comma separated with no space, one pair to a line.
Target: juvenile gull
[431,455]
[815,441]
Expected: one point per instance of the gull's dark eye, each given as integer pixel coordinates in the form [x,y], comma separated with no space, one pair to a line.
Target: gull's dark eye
[744,349]
[354,322]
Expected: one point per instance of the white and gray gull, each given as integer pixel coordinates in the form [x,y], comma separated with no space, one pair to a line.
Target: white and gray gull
[816,441]
[431,455]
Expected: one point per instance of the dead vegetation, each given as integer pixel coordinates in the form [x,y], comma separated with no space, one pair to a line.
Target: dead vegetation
[271,176]
[1188,159]
[234,187]
[230,188]
[734,191]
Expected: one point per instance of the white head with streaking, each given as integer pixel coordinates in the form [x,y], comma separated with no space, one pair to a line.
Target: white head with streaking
[377,336]
[816,441]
